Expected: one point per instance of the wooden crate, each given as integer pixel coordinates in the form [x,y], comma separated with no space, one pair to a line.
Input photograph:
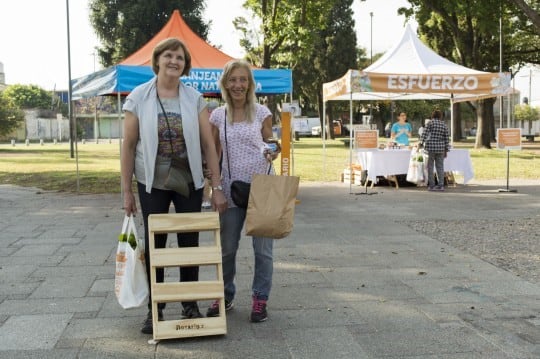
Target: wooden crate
[186,291]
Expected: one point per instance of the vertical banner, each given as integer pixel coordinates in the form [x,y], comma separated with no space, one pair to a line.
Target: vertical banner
[285,143]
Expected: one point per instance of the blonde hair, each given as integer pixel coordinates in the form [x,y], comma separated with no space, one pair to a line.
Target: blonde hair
[251,99]
[171,43]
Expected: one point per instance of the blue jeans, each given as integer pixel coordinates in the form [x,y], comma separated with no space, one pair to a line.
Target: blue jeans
[436,159]
[232,222]
[159,201]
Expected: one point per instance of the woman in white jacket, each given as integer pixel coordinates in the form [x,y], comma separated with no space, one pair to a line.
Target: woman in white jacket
[166,119]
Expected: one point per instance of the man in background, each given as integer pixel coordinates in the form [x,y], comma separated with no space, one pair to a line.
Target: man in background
[436,144]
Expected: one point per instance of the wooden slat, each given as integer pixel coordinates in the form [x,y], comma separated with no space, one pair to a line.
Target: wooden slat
[190,328]
[187,256]
[183,222]
[186,291]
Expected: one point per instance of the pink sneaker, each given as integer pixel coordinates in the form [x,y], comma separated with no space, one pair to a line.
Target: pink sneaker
[258,310]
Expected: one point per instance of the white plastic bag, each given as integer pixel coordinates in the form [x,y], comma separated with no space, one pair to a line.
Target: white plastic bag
[415,173]
[130,282]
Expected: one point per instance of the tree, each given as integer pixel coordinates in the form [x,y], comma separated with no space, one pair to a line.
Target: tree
[124,26]
[286,31]
[10,115]
[332,54]
[29,96]
[464,32]
[316,39]
[530,12]
[527,113]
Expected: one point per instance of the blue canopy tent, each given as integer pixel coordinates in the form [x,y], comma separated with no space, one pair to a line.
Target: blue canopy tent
[122,79]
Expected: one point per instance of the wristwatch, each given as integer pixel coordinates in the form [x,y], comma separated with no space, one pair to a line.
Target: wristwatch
[217,188]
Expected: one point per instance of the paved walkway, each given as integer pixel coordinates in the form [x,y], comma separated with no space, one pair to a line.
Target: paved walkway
[352,281]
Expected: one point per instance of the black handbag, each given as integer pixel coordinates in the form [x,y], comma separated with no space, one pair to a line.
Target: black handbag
[240,193]
[239,189]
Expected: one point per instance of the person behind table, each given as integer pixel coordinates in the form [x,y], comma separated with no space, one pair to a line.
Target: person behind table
[248,126]
[436,144]
[158,112]
[423,127]
[207,193]
[401,130]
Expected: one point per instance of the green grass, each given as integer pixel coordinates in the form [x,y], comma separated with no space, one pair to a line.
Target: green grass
[50,166]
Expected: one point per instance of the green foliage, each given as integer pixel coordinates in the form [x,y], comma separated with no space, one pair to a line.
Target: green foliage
[286,33]
[29,96]
[10,115]
[467,32]
[332,54]
[526,113]
[420,109]
[124,26]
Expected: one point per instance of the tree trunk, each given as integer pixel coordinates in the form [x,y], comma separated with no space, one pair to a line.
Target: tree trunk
[321,115]
[490,117]
[485,128]
[329,122]
[456,130]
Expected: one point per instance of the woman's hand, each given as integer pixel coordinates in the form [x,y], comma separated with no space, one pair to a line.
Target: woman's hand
[130,205]
[272,155]
[219,202]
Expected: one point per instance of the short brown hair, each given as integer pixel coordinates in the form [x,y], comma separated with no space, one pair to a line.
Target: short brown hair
[437,114]
[171,43]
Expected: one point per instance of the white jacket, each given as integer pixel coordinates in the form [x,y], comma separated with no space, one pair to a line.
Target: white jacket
[142,101]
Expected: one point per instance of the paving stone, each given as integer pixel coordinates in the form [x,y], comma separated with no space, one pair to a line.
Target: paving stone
[32,331]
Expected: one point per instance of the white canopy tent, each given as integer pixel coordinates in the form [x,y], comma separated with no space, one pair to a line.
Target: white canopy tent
[412,71]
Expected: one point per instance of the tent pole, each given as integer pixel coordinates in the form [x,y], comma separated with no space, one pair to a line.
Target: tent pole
[324,139]
[120,136]
[452,120]
[351,173]
[292,141]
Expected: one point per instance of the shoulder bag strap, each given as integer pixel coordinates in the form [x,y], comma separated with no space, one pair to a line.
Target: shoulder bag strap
[167,120]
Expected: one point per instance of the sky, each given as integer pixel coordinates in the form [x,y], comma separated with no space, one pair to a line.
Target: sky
[34,50]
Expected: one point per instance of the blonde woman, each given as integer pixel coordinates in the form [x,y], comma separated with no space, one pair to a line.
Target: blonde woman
[241,130]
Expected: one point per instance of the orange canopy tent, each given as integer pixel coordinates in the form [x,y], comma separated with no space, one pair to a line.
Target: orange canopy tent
[203,55]
[207,63]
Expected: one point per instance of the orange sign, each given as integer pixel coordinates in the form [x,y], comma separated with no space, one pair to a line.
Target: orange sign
[366,139]
[285,143]
[509,138]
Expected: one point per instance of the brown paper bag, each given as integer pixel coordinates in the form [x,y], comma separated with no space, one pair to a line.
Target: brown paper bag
[270,211]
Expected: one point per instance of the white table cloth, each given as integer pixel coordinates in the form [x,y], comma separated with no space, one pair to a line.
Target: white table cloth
[395,162]
[384,162]
[459,160]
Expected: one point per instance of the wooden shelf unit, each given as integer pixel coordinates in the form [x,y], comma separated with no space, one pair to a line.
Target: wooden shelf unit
[186,291]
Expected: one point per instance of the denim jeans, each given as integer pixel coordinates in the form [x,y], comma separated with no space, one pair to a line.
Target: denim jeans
[232,222]
[436,159]
[159,201]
